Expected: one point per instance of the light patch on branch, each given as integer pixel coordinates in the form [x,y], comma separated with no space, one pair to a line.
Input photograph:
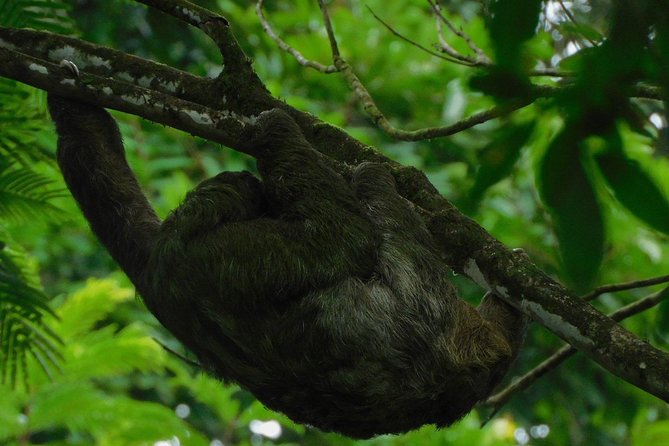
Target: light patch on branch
[171,86]
[200,118]
[472,270]
[82,60]
[557,324]
[7,45]
[191,15]
[145,81]
[39,68]
[502,291]
[138,100]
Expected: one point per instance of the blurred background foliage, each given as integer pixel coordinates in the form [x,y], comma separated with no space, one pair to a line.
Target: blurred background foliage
[578,181]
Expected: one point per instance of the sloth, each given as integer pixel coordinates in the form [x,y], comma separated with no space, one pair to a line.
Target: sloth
[324,296]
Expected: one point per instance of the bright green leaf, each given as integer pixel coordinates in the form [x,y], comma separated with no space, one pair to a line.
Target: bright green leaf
[635,189]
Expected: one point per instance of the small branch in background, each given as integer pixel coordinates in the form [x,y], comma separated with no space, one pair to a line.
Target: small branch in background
[328,27]
[481,58]
[287,48]
[188,361]
[624,286]
[458,58]
[380,120]
[499,399]
[370,107]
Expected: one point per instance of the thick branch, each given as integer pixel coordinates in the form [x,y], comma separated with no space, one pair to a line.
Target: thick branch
[217,28]
[497,400]
[471,249]
[218,111]
[221,126]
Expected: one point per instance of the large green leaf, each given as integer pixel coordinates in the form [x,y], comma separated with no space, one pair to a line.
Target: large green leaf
[571,200]
[635,189]
[496,160]
[513,23]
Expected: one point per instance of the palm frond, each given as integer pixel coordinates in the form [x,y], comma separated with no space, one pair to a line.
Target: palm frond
[41,14]
[22,119]
[22,330]
[26,195]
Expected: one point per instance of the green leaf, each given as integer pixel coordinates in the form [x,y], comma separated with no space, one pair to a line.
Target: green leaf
[514,22]
[40,14]
[88,306]
[635,189]
[498,158]
[569,196]
[656,434]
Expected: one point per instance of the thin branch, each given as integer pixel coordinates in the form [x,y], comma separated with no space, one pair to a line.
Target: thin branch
[500,398]
[328,28]
[370,107]
[178,355]
[459,59]
[481,57]
[287,48]
[624,286]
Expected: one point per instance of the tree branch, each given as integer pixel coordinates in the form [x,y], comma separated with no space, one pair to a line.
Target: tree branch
[624,286]
[500,398]
[287,48]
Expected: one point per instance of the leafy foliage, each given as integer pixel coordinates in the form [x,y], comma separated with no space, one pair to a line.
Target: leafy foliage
[25,196]
[22,332]
[39,14]
[72,404]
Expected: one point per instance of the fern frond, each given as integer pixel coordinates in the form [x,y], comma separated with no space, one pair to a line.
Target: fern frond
[22,330]
[51,15]
[25,196]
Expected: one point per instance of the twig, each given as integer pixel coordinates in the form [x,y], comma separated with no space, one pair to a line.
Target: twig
[178,355]
[458,59]
[624,286]
[481,57]
[370,107]
[500,398]
[328,28]
[287,48]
